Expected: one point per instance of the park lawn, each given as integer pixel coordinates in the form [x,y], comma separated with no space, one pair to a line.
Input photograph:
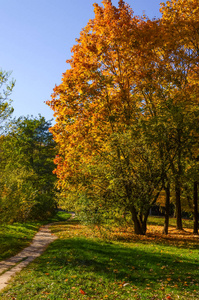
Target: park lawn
[15,237]
[153,220]
[94,263]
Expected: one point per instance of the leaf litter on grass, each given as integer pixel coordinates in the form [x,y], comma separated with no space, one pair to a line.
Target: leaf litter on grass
[117,267]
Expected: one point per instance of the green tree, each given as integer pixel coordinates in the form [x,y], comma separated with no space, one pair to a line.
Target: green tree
[5,92]
[27,182]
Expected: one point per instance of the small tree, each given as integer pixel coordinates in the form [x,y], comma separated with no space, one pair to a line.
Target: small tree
[5,103]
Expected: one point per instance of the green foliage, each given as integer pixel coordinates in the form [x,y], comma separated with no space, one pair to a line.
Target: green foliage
[5,103]
[18,194]
[126,176]
[26,165]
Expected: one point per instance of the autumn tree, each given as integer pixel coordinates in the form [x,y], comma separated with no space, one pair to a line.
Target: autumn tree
[126,113]
[169,86]
[180,19]
[98,105]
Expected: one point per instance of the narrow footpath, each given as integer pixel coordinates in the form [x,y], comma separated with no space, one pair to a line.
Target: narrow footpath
[13,265]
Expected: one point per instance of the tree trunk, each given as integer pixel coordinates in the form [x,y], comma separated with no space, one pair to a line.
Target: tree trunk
[144,222]
[195,207]
[178,205]
[137,224]
[167,208]
[178,182]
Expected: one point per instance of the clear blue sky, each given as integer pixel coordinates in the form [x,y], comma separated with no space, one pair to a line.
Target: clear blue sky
[35,42]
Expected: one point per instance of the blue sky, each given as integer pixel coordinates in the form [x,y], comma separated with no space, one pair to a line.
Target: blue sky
[35,42]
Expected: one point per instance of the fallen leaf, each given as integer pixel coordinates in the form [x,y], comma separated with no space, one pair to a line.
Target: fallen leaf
[82,292]
[163,267]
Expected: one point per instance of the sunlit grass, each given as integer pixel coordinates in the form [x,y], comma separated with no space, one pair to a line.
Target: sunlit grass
[15,237]
[112,263]
[187,223]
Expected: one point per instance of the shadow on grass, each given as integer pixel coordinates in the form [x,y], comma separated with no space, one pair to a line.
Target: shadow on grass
[15,237]
[181,239]
[139,269]
[114,262]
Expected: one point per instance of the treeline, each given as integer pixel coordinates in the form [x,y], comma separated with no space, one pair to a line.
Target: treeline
[27,150]
[127,114]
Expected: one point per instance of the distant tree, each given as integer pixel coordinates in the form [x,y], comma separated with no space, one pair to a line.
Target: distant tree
[5,92]
[26,165]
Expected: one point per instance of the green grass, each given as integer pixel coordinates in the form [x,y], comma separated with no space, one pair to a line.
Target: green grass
[153,220]
[17,236]
[81,265]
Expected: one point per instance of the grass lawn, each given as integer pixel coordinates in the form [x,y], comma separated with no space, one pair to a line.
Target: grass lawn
[17,236]
[112,263]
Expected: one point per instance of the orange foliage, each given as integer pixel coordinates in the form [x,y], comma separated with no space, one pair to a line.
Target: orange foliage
[100,94]
[125,69]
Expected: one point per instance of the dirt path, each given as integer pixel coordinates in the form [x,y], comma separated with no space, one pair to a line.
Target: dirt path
[13,265]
